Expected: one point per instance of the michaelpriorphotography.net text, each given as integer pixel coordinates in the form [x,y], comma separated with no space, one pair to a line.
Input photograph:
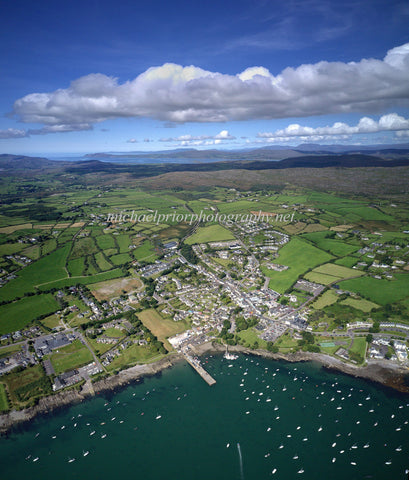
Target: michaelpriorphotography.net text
[202,217]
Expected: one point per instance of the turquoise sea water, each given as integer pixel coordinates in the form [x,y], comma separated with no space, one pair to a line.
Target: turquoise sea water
[263,419]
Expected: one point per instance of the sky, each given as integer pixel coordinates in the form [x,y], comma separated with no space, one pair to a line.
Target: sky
[102,76]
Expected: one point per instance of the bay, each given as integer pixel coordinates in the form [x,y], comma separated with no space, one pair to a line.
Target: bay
[262,419]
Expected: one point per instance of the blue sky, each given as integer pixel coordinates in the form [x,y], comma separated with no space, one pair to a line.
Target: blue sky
[88,76]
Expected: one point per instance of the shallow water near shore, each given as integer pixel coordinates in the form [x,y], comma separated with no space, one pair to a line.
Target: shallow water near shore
[262,419]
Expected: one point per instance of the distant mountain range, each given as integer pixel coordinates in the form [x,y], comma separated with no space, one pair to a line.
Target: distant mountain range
[151,164]
[273,152]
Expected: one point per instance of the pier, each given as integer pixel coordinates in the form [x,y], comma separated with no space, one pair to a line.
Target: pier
[199,369]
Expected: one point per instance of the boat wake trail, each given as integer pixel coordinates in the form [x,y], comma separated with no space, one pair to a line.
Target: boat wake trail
[241,462]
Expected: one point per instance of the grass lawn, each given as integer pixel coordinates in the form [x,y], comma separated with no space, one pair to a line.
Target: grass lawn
[299,256]
[250,337]
[72,356]
[359,346]
[17,315]
[379,291]
[361,304]
[4,403]
[51,322]
[100,348]
[161,327]
[133,355]
[6,351]
[113,332]
[30,383]
[286,343]
[212,233]
[327,298]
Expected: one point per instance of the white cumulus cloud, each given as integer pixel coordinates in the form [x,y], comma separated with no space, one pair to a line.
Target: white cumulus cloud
[390,122]
[173,93]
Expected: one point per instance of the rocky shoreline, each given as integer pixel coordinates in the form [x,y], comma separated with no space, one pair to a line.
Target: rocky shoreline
[381,372]
[63,399]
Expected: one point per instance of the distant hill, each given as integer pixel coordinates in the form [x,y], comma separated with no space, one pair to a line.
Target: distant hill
[260,159]
[272,152]
[21,162]
[308,161]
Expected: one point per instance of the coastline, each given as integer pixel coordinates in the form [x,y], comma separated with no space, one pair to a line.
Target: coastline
[66,398]
[380,372]
[377,371]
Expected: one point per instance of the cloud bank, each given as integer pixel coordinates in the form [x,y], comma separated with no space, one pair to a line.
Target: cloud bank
[178,94]
[386,123]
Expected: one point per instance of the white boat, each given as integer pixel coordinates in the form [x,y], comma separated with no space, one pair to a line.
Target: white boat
[92,433]
[104,435]
[71,460]
[227,445]
[301,471]
[84,454]
[35,459]
[230,356]
[158,417]
[334,460]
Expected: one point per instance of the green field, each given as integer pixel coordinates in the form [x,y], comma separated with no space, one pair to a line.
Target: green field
[360,304]
[76,266]
[102,262]
[347,261]
[72,356]
[250,336]
[327,298]
[82,247]
[299,256]
[330,273]
[336,247]
[17,315]
[359,346]
[105,241]
[133,355]
[161,327]
[123,243]
[11,248]
[320,278]
[4,403]
[379,291]
[145,252]
[6,351]
[120,259]
[87,280]
[46,269]
[23,386]
[212,233]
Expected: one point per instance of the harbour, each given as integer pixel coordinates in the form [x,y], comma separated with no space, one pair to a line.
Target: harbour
[280,414]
